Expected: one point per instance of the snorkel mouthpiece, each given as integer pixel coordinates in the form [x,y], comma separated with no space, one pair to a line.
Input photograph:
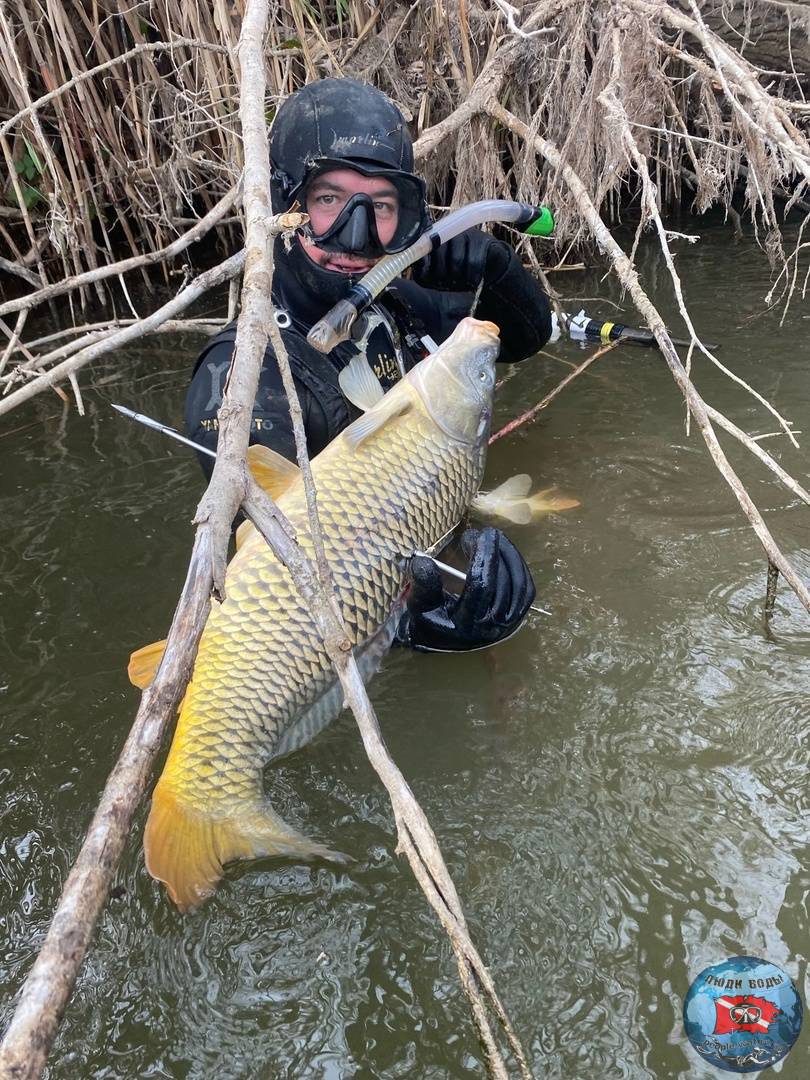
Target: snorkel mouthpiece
[336,325]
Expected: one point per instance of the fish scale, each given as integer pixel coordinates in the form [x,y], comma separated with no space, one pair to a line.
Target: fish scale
[262,682]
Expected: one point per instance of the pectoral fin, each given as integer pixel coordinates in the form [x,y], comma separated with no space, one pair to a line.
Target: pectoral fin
[143,664]
[392,405]
[187,849]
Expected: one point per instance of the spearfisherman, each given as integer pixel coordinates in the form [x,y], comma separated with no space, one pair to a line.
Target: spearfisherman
[341,149]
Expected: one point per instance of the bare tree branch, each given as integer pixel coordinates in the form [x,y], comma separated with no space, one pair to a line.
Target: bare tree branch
[209,280]
[149,258]
[46,991]
[44,997]
[629,278]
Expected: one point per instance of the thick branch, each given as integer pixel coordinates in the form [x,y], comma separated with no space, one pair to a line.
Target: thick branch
[47,989]
[28,1040]
[228,486]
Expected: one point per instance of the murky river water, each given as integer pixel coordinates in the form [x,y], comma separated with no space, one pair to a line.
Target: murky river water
[620,790]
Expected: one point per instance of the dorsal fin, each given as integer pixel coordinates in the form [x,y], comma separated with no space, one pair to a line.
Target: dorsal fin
[359,383]
[270,470]
[392,405]
[143,664]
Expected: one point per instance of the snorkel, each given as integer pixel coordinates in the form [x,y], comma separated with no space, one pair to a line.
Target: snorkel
[336,325]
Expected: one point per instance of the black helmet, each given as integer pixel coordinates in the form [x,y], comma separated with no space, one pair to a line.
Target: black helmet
[342,123]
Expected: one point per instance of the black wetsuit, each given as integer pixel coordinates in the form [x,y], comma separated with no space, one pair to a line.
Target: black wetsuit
[499,586]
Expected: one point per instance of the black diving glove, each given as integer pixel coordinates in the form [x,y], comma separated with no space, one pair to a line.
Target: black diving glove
[496,596]
[460,264]
[510,296]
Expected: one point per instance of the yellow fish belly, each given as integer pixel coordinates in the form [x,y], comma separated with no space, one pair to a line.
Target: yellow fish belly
[262,683]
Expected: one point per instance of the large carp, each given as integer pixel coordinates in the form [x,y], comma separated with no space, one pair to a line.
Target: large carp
[395,481]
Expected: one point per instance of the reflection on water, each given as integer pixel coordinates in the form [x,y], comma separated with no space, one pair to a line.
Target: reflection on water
[620,791]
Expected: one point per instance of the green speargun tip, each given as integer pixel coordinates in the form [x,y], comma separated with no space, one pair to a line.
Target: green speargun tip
[542,224]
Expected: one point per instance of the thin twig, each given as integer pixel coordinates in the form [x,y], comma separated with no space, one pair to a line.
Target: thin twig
[13,339]
[751,444]
[144,47]
[200,285]
[149,258]
[530,414]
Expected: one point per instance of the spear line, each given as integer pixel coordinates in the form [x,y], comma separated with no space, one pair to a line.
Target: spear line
[164,429]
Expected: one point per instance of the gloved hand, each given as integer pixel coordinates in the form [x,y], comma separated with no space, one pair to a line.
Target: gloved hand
[461,263]
[492,605]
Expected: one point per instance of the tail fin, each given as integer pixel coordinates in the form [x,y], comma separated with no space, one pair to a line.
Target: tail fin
[187,849]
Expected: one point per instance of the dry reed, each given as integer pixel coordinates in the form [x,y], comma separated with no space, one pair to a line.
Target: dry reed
[118,122]
[120,125]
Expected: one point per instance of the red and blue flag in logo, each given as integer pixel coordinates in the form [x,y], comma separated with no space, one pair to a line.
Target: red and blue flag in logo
[743,1013]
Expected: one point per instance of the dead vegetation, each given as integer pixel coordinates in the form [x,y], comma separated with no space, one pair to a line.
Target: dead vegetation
[120,131]
[119,127]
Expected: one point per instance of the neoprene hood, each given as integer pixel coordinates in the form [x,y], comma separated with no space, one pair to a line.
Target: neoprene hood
[338,119]
[332,124]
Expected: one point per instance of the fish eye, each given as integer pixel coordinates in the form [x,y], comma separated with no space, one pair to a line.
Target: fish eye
[482,374]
